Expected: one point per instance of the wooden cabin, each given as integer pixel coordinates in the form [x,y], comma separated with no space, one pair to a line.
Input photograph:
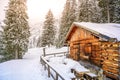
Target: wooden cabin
[98,44]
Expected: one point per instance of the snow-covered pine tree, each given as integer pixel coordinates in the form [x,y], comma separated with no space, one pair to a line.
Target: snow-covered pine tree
[110,10]
[116,18]
[49,30]
[63,24]
[68,17]
[16,30]
[105,13]
[88,11]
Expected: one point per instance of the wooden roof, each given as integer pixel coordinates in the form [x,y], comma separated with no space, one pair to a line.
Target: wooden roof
[105,31]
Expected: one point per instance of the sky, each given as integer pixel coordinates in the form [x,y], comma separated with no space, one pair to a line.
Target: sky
[37,9]
[3,3]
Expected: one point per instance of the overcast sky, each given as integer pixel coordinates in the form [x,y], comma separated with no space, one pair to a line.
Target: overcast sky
[37,9]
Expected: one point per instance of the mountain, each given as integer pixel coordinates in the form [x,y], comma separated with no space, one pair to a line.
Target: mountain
[36,31]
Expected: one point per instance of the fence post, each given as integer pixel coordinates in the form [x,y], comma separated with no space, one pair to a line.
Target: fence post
[56,76]
[54,55]
[41,61]
[48,71]
[44,54]
[44,66]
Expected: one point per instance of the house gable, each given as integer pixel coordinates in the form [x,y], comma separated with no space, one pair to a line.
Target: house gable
[77,33]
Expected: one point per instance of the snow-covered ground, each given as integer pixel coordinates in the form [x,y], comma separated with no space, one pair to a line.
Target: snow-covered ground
[30,68]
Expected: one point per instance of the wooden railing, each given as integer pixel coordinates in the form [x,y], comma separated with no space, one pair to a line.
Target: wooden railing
[47,54]
[62,53]
[48,67]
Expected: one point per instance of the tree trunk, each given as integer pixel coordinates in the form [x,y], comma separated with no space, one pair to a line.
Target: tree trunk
[108,12]
[16,54]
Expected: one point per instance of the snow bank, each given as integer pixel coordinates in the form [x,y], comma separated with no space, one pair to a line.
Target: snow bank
[75,65]
[64,65]
[61,67]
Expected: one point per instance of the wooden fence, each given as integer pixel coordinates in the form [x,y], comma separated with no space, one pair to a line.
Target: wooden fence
[48,67]
[55,54]
[63,53]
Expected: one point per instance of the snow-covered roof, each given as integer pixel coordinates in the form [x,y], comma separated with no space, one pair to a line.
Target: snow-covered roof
[105,30]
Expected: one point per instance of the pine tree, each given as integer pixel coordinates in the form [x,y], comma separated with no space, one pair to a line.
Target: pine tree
[16,30]
[116,18]
[110,10]
[105,9]
[88,11]
[116,11]
[68,17]
[49,30]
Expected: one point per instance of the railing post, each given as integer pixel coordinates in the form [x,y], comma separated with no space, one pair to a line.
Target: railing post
[44,65]
[42,62]
[73,79]
[44,54]
[56,76]
[54,55]
[48,71]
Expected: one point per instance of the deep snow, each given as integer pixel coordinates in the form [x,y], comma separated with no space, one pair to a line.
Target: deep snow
[30,68]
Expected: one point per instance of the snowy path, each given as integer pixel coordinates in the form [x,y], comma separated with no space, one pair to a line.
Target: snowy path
[28,68]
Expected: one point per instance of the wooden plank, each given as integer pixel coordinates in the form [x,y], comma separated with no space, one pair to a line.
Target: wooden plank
[110,62]
[112,70]
[111,66]
[111,75]
[57,53]
[84,40]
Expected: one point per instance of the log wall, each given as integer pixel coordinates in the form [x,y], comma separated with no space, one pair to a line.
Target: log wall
[110,59]
[85,46]
[80,43]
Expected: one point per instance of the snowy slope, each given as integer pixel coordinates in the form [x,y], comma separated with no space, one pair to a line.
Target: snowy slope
[28,68]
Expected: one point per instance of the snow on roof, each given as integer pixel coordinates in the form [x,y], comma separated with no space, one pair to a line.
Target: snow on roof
[111,30]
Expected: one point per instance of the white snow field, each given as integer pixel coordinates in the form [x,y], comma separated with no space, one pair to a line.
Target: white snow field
[30,68]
